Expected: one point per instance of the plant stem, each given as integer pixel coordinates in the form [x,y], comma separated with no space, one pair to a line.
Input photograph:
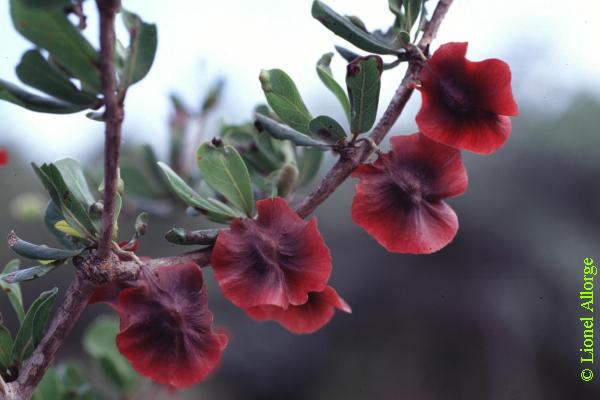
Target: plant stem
[354,157]
[64,319]
[113,115]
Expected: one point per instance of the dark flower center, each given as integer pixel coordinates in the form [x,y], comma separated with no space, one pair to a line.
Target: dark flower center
[455,95]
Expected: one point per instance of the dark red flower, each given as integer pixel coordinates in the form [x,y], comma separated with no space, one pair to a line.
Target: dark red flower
[305,318]
[276,259]
[398,199]
[465,103]
[165,329]
[3,156]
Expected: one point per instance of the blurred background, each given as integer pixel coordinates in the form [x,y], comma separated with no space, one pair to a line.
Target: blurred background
[495,315]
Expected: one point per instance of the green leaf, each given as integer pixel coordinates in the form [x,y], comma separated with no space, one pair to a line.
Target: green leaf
[326,76]
[45,3]
[13,291]
[53,216]
[224,170]
[309,163]
[363,79]
[31,273]
[73,207]
[327,128]
[183,236]
[72,174]
[38,252]
[283,97]
[51,30]
[6,344]
[193,199]
[99,342]
[141,50]
[75,385]
[213,96]
[345,28]
[49,387]
[33,102]
[346,54]
[411,13]
[283,132]
[35,71]
[36,315]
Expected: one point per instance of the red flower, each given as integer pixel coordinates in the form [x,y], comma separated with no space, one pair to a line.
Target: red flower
[165,329]
[276,259]
[3,156]
[465,103]
[398,199]
[306,318]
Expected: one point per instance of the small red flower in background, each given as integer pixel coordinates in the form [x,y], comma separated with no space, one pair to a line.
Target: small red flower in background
[399,197]
[306,318]
[466,104]
[3,157]
[275,260]
[165,325]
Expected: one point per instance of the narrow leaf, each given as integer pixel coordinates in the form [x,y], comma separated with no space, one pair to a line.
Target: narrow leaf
[53,216]
[24,345]
[40,318]
[345,28]
[327,128]
[283,97]
[283,132]
[224,170]
[38,252]
[326,76]
[363,78]
[13,290]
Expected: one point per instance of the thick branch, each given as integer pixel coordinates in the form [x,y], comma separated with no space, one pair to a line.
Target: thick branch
[113,115]
[352,159]
[64,319]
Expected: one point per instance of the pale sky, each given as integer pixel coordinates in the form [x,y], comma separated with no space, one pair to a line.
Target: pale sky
[551,46]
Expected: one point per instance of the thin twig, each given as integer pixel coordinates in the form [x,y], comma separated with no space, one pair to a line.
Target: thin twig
[352,159]
[114,115]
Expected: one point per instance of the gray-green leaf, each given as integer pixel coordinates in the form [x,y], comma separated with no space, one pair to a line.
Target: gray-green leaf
[31,273]
[363,78]
[50,29]
[38,252]
[14,94]
[34,70]
[6,344]
[13,290]
[189,196]
[327,128]
[283,132]
[326,76]
[224,170]
[283,97]
[37,316]
[141,50]
[345,28]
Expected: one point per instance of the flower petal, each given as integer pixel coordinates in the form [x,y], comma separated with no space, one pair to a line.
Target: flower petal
[165,329]
[273,260]
[465,103]
[305,318]
[398,199]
